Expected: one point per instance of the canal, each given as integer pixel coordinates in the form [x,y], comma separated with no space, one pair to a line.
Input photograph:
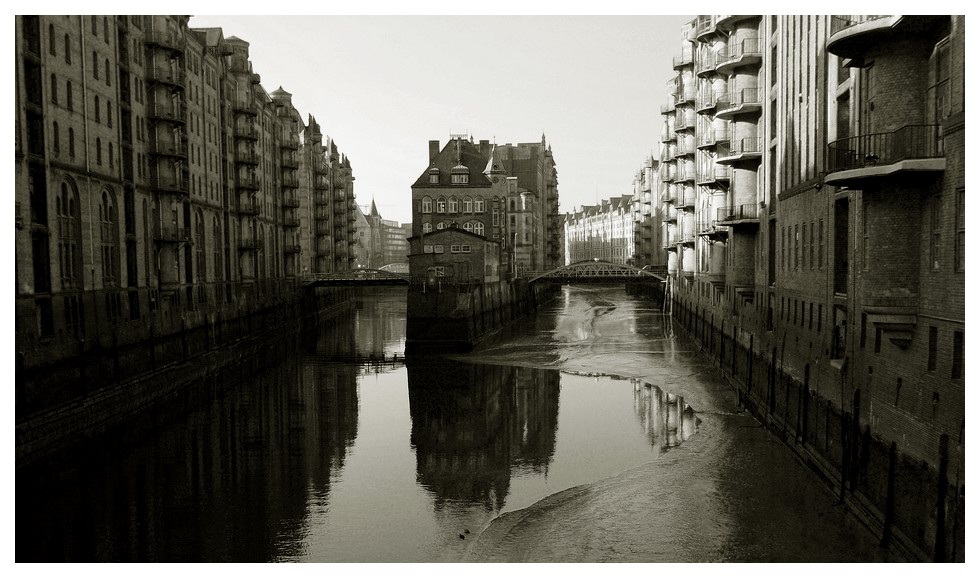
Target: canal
[589,432]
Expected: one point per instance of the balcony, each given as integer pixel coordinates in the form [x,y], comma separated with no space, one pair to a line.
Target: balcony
[709,138]
[706,63]
[714,174]
[322,201]
[740,52]
[740,216]
[247,132]
[705,102]
[170,184]
[171,233]
[711,230]
[246,158]
[670,215]
[168,111]
[164,40]
[323,228]
[247,182]
[289,144]
[704,26]
[246,107]
[686,58]
[176,149]
[725,21]
[744,101]
[685,174]
[682,122]
[666,135]
[686,238]
[289,162]
[166,75]
[852,36]
[289,181]
[290,222]
[248,207]
[290,202]
[683,148]
[290,248]
[910,149]
[248,245]
[669,107]
[685,94]
[742,150]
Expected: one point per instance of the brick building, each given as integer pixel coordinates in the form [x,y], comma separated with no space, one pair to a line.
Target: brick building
[815,201]
[507,193]
[456,256]
[647,231]
[156,180]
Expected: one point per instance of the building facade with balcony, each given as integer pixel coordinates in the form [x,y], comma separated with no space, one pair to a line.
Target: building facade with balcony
[826,227]
[157,183]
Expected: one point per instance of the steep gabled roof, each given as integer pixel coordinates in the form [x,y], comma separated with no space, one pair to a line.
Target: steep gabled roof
[469,156]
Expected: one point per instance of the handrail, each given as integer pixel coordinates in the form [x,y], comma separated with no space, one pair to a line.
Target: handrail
[919,141]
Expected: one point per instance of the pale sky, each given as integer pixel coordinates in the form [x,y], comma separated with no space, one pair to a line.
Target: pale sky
[383,86]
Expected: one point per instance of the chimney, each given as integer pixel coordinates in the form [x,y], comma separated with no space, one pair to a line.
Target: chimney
[433,150]
[485,148]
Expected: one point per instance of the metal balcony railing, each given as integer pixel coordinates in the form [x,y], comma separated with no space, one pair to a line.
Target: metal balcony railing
[171,233]
[248,131]
[921,141]
[249,182]
[291,222]
[290,201]
[746,145]
[289,181]
[748,212]
[170,184]
[168,148]
[164,40]
[685,58]
[704,24]
[246,157]
[290,248]
[289,162]
[707,62]
[167,75]
[738,98]
[738,48]
[169,111]
[685,93]
[248,207]
[842,22]
[248,244]
[244,106]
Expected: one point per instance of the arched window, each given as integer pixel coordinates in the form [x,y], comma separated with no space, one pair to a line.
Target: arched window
[52,44]
[98,151]
[98,109]
[467,205]
[68,96]
[95,65]
[201,273]
[453,205]
[426,205]
[441,225]
[95,26]
[56,144]
[71,142]
[67,49]
[111,159]
[434,176]
[441,205]
[69,234]
[54,89]
[468,226]
[426,227]
[478,205]
[108,77]
[216,234]
[105,30]
[108,113]
[478,227]
[109,236]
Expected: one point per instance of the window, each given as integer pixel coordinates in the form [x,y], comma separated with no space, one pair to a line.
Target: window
[441,205]
[95,26]
[464,248]
[426,227]
[69,256]
[438,249]
[98,151]
[110,155]
[426,205]
[454,248]
[820,251]
[109,235]
[812,227]
[935,227]
[803,240]
[782,249]
[478,228]
[959,250]
[56,145]
[468,226]
[957,354]
[51,41]
[95,65]
[71,142]
[105,30]
[434,178]
[478,205]
[98,114]
[461,179]
[67,49]
[453,205]
[68,96]
[441,225]
[108,77]
[467,205]
[54,89]
[933,348]
[864,329]
[108,112]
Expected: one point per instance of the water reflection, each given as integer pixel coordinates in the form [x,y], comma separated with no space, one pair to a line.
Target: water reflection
[473,426]
[665,418]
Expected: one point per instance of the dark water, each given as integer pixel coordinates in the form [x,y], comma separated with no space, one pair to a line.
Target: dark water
[341,454]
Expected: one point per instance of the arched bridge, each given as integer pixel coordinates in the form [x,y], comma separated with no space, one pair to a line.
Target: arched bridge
[356,277]
[593,271]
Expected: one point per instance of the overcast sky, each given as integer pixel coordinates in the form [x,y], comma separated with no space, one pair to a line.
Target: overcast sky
[383,86]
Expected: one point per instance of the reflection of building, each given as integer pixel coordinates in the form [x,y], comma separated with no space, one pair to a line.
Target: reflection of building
[603,231]
[373,330]
[665,418]
[473,425]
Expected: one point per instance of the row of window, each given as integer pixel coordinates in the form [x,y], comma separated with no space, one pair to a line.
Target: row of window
[438,249]
[797,248]
[476,227]
[452,205]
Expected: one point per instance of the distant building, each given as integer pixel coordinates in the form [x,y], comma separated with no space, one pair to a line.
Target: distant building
[456,256]
[603,232]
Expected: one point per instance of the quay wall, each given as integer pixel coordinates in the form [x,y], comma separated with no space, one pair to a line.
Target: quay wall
[82,392]
[916,506]
[454,318]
